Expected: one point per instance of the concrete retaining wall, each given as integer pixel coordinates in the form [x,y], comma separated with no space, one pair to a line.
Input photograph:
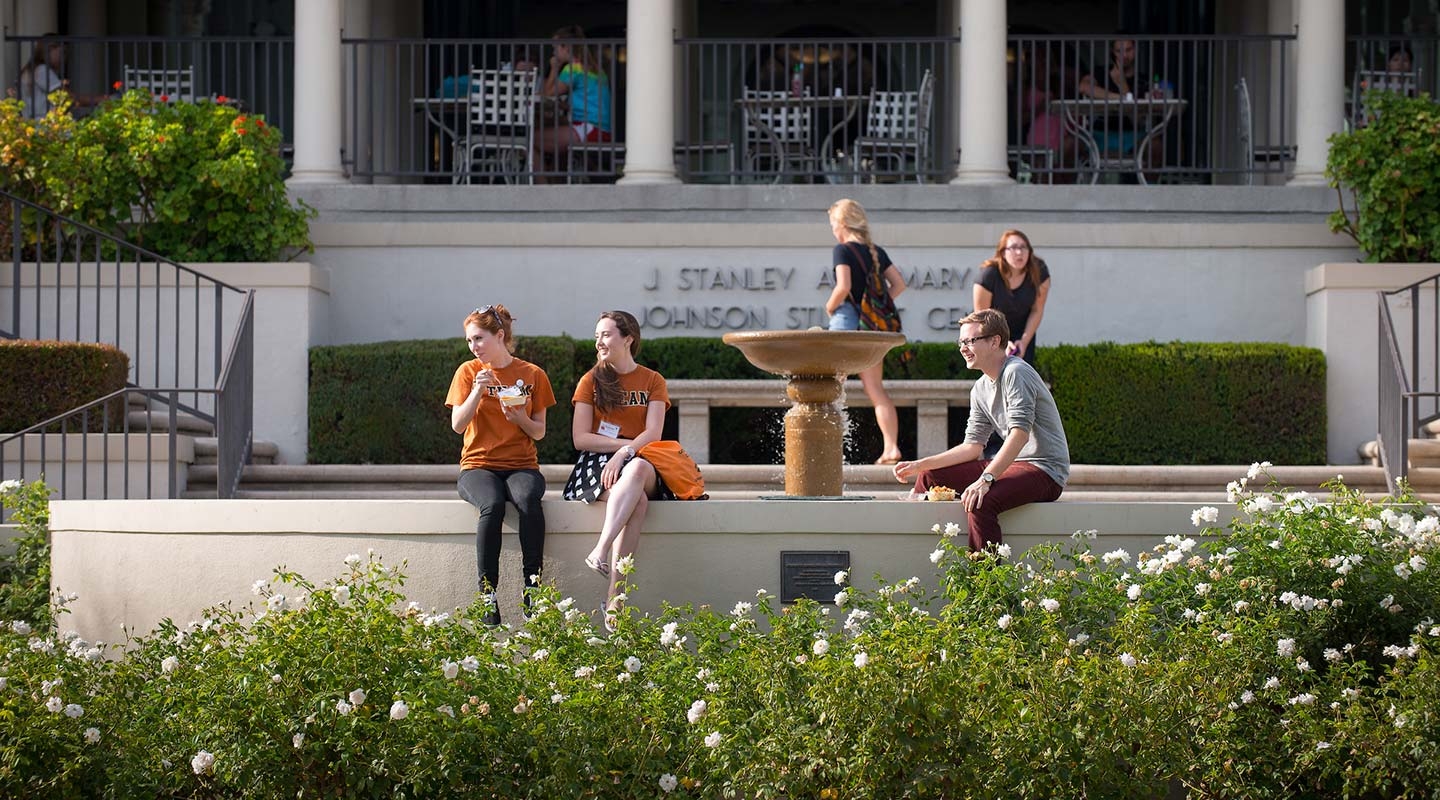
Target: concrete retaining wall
[133,563]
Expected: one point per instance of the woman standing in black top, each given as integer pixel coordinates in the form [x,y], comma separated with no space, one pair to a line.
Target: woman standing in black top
[1016,283]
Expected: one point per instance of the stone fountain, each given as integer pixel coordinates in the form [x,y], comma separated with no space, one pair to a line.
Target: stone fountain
[815,363]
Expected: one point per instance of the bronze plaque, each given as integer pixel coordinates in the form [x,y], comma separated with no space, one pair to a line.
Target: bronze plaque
[811,573]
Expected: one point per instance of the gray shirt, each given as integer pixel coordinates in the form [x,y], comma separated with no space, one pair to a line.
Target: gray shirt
[1020,399]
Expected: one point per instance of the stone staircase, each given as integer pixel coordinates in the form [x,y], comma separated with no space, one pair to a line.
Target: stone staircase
[1424,454]
[1197,484]
[143,414]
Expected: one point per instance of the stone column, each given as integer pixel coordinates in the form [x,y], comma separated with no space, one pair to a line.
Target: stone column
[650,97]
[1320,71]
[982,93]
[317,93]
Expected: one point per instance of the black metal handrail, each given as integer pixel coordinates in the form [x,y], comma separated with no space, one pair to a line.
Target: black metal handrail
[1408,395]
[256,72]
[72,282]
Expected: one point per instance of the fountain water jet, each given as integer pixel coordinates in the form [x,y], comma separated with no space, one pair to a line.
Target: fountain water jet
[814,362]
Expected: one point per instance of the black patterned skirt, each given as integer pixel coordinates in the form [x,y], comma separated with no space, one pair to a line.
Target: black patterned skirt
[585,482]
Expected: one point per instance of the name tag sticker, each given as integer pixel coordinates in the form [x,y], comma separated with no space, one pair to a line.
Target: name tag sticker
[609,430]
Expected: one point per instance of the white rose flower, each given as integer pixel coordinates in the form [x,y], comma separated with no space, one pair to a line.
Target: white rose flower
[74,711]
[952,530]
[668,783]
[353,559]
[1003,550]
[862,659]
[632,664]
[1205,515]
[447,711]
[1202,589]
[203,762]
[821,647]
[469,663]
[1303,699]
[1332,655]
[259,586]
[1272,682]
[584,672]
[1050,604]
[449,669]
[1247,696]
[170,664]
[841,577]
[1285,648]
[936,555]
[357,697]
[1004,621]
[21,627]
[297,741]
[841,598]
[6,487]
[697,711]
[343,707]
[668,635]
[741,609]
[1134,591]
[92,735]
[399,710]
[1116,557]
[1128,660]
[54,705]
[713,739]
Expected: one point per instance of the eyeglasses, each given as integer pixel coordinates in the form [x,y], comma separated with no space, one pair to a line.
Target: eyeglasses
[483,310]
[971,341]
[1017,248]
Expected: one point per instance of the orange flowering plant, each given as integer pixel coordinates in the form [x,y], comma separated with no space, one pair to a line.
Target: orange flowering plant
[192,181]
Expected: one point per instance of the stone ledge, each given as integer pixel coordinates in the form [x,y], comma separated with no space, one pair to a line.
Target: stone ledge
[134,562]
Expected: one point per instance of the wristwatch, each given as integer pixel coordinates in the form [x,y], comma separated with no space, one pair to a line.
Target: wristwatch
[987,477]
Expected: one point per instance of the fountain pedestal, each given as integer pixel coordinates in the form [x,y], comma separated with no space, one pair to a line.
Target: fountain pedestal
[814,364]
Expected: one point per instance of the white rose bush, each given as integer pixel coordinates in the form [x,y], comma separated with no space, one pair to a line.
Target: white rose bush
[1306,666]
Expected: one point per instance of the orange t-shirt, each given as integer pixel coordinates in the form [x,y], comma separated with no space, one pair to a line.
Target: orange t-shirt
[642,387]
[491,441]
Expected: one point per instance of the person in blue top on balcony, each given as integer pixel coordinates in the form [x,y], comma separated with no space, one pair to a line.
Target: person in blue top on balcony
[576,72]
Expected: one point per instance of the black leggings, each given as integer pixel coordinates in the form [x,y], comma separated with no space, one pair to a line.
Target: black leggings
[488,490]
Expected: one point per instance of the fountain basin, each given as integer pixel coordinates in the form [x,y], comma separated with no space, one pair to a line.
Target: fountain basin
[813,353]
[815,362]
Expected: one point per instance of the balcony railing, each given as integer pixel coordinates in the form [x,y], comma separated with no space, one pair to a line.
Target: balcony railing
[256,73]
[1206,109]
[1406,64]
[417,111]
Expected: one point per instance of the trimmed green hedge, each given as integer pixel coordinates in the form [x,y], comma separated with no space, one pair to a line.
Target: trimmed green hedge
[1189,402]
[1151,403]
[40,379]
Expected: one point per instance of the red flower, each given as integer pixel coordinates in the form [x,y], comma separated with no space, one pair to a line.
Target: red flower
[160,139]
[260,122]
[239,131]
[222,99]
[118,84]
[164,98]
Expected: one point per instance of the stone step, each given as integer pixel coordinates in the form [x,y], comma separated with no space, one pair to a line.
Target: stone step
[1424,457]
[1200,483]
[206,448]
[159,420]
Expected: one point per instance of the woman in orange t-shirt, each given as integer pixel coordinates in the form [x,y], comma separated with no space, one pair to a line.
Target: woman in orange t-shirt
[619,408]
[498,402]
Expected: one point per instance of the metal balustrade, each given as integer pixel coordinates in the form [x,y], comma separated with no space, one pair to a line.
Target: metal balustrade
[181,329]
[1408,383]
[255,73]
[411,111]
[1201,109]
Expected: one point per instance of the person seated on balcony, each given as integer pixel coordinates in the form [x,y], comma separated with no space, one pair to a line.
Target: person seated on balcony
[1010,396]
[1400,60]
[1044,129]
[576,74]
[1120,82]
[41,77]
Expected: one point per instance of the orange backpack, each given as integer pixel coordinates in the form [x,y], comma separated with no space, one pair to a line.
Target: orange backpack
[675,466]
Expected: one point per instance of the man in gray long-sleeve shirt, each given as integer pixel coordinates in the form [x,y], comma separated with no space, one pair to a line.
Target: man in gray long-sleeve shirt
[1033,463]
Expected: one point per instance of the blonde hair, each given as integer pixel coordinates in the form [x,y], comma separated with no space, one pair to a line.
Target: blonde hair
[494,319]
[851,216]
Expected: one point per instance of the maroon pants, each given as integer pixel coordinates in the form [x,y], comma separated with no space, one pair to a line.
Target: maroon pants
[1022,483]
